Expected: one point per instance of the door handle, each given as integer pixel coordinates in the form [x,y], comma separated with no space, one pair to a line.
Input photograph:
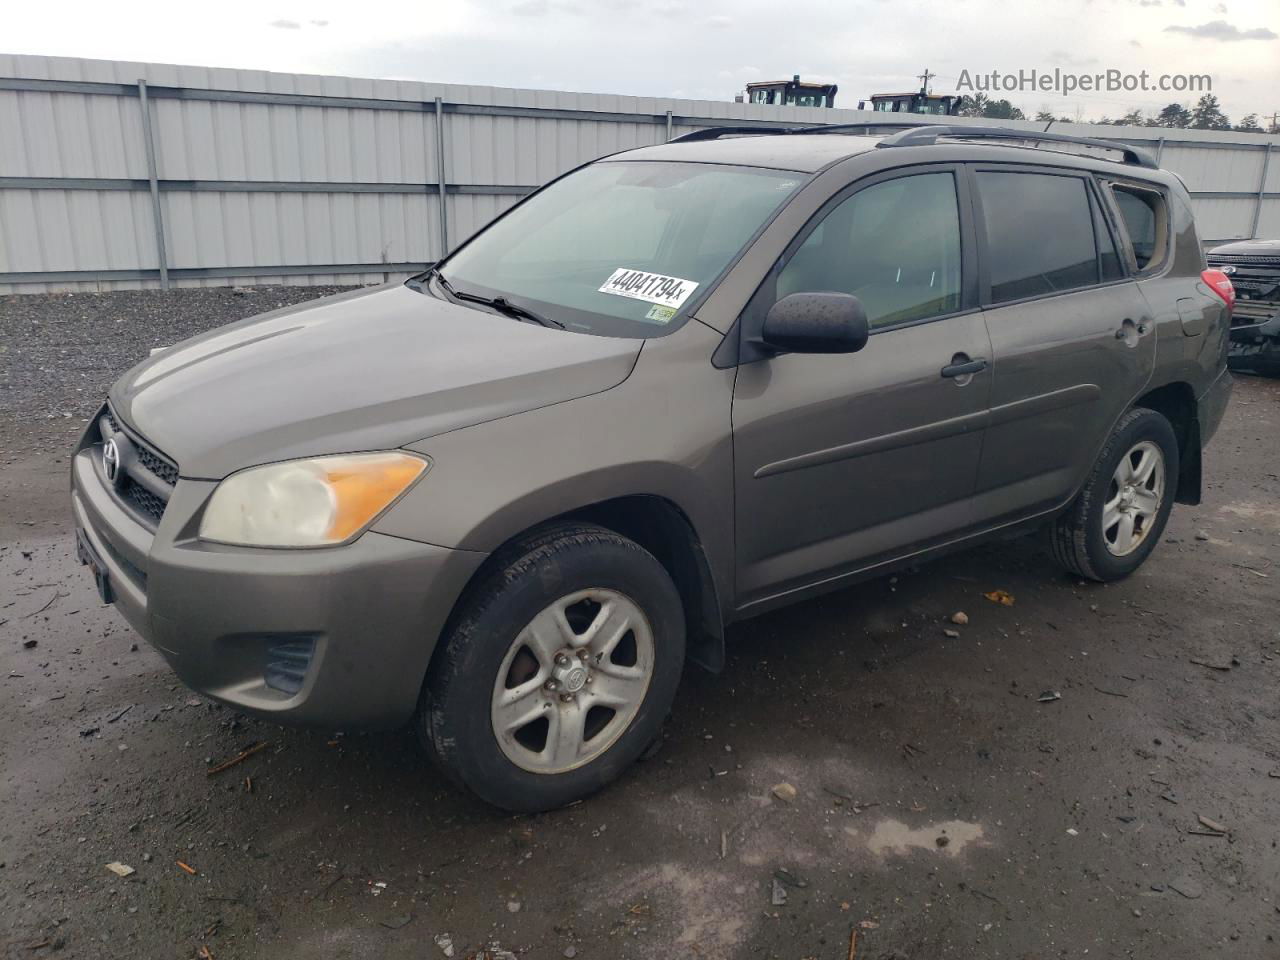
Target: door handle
[965,369]
[1128,326]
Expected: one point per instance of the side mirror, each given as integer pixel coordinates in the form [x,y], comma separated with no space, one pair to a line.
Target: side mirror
[816,323]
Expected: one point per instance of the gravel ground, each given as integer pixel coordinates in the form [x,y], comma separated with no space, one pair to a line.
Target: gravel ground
[60,353]
[941,809]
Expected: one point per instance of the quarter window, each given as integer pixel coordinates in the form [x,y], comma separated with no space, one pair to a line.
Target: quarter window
[1039,234]
[1143,214]
[895,245]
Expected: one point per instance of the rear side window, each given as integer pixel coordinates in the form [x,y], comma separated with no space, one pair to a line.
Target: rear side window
[894,245]
[1144,216]
[1039,234]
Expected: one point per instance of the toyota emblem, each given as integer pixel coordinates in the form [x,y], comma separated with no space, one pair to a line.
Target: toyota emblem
[111,460]
[1229,269]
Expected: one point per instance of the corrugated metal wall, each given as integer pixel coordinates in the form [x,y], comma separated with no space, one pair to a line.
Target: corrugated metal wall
[265,177]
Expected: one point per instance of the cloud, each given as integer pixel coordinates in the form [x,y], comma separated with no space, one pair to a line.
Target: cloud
[319,23]
[531,8]
[1070,60]
[720,21]
[286,24]
[1221,30]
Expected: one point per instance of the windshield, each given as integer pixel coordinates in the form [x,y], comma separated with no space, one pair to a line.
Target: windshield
[622,248]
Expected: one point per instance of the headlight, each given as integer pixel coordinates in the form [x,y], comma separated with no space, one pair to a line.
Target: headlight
[307,503]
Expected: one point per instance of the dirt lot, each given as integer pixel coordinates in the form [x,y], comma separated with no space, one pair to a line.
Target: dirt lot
[941,809]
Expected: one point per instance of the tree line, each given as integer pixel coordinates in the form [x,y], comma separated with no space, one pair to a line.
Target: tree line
[1207,114]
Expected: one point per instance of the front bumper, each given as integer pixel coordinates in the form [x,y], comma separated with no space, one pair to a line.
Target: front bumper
[369,612]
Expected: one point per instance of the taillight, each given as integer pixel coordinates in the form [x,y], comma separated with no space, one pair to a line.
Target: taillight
[1220,283]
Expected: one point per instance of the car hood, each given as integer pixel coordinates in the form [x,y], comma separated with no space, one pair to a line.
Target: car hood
[1247,248]
[367,370]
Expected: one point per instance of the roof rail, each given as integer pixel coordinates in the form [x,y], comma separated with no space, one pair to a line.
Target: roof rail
[714,133]
[925,135]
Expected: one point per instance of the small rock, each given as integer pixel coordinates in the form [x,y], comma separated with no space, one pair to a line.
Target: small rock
[445,943]
[1137,912]
[120,869]
[1202,535]
[1188,887]
[570,952]
[1072,832]
[943,840]
[960,617]
[146,858]
[778,897]
[29,644]
[1049,696]
[513,906]
[951,633]
[784,791]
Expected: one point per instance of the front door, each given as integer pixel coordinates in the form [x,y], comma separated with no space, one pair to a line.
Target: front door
[1072,336]
[841,461]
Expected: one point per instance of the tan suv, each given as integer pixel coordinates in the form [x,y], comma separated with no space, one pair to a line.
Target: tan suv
[674,388]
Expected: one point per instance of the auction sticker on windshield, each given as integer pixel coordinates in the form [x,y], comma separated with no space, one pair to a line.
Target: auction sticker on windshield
[651,287]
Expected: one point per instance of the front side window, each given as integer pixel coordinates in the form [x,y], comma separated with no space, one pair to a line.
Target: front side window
[894,245]
[660,231]
[1039,234]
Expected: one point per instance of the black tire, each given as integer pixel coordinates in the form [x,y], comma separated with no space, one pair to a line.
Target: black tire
[454,720]
[1078,535]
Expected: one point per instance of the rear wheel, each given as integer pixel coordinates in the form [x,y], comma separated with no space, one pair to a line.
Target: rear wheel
[1118,518]
[557,672]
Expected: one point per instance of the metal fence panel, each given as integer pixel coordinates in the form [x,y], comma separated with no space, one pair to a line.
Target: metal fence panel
[310,179]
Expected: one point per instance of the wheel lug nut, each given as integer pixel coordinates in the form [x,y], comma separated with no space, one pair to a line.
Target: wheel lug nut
[584,654]
[561,659]
[552,685]
[566,697]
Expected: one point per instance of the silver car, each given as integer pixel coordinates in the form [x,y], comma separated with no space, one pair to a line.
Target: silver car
[507,500]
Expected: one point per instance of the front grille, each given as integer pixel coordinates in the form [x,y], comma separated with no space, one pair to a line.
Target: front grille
[149,476]
[1243,260]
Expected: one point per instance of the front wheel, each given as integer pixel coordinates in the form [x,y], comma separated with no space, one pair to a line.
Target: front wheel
[558,670]
[1118,518]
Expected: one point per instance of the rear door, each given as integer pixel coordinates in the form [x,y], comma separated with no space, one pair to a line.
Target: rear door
[841,460]
[1071,334]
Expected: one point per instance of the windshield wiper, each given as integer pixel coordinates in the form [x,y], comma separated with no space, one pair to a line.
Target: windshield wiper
[499,303]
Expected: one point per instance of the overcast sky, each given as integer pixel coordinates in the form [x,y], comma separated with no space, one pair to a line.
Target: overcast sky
[684,48]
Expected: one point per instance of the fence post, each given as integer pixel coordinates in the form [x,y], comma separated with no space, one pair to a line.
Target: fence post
[668,124]
[1262,192]
[157,209]
[1160,152]
[440,181]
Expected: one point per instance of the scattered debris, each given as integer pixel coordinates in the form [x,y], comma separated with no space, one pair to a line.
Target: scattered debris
[1202,535]
[790,879]
[960,618]
[89,731]
[120,869]
[238,758]
[1002,597]
[187,868]
[513,906]
[1049,696]
[778,897]
[943,840]
[1110,693]
[1072,832]
[853,944]
[570,952]
[868,924]
[203,953]
[445,943]
[952,634]
[784,791]
[1170,796]
[1213,825]
[28,644]
[1212,666]
[398,921]
[1188,887]
[117,716]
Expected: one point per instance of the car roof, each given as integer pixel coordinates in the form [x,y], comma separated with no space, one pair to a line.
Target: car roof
[804,153]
